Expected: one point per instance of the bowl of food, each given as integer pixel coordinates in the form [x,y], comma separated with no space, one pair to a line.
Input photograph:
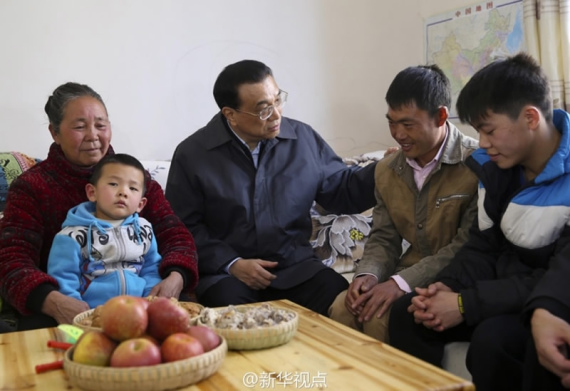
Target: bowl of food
[91,319]
[252,326]
[194,309]
[165,376]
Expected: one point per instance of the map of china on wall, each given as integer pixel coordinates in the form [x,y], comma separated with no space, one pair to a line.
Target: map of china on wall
[463,41]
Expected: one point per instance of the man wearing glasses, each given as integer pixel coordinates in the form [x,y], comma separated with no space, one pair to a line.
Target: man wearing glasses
[244,185]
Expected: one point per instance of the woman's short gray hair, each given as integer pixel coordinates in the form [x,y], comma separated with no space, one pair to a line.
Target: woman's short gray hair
[61,96]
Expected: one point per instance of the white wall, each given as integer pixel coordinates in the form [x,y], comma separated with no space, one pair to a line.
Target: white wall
[155,62]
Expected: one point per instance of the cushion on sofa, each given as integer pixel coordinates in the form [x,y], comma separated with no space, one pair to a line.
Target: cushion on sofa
[339,240]
[12,164]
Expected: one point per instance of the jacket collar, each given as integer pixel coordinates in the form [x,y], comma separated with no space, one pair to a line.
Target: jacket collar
[219,132]
[559,163]
[456,149]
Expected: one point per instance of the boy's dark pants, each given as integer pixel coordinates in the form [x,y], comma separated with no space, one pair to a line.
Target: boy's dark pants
[496,353]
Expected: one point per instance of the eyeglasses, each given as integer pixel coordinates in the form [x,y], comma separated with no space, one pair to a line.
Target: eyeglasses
[268,111]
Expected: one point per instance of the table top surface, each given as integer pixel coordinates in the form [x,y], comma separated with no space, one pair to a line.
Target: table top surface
[323,354]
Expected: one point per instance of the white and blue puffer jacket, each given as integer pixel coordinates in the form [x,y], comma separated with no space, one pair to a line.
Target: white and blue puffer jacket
[519,247]
[94,261]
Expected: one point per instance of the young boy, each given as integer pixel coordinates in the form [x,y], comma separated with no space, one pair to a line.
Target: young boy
[518,246]
[105,249]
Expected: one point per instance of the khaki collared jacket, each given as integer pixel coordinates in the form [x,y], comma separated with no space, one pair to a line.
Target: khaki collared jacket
[434,220]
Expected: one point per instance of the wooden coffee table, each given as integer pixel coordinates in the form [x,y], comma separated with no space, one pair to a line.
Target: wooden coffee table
[323,354]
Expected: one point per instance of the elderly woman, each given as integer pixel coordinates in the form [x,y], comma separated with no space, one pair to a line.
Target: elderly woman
[39,199]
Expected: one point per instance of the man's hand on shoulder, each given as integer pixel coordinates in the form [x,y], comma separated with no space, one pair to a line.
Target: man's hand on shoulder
[253,272]
[391,150]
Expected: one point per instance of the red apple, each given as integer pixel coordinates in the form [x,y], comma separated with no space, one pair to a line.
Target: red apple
[179,346]
[166,318]
[151,339]
[124,317]
[207,337]
[94,348]
[136,352]
[144,301]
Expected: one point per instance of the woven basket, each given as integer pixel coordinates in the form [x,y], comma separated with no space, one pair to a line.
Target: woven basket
[159,377]
[79,318]
[260,337]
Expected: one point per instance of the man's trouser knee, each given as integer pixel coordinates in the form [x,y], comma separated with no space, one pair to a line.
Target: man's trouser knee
[376,328]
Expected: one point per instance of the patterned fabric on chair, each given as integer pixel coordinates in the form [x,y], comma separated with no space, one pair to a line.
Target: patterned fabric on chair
[12,164]
[339,240]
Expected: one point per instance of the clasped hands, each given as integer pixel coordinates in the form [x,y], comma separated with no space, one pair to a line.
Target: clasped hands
[366,297]
[436,307]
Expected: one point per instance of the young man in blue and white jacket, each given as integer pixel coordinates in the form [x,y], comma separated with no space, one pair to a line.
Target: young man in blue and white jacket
[518,247]
[105,249]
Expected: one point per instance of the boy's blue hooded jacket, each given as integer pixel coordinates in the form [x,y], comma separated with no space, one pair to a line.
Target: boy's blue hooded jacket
[94,261]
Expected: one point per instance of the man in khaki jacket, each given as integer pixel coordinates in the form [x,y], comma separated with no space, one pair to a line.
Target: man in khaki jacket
[425,196]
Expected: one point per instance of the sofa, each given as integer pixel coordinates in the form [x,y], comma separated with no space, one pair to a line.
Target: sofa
[338,240]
